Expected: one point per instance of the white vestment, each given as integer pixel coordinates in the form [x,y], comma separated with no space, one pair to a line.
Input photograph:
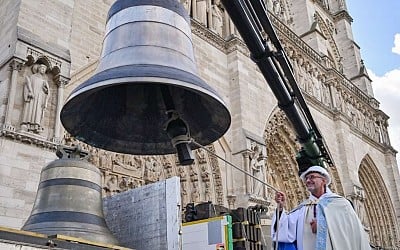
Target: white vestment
[338,227]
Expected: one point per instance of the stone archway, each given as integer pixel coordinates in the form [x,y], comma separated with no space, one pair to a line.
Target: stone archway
[379,218]
[282,169]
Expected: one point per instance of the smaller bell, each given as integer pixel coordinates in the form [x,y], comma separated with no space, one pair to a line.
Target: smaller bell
[69,200]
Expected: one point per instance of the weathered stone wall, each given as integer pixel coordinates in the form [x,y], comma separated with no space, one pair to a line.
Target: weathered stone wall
[20,166]
[88,27]
[8,19]
[48,20]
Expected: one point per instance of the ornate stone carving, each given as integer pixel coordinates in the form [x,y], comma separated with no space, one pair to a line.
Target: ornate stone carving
[33,55]
[208,192]
[195,193]
[208,35]
[358,199]
[216,173]
[15,67]
[129,182]
[217,17]
[36,95]
[194,176]
[280,9]
[372,203]
[184,194]
[128,164]
[152,169]
[105,161]
[231,201]
[327,29]
[202,9]
[201,156]
[182,173]
[282,148]
[205,173]
[168,167]
[257,169]
[111,185]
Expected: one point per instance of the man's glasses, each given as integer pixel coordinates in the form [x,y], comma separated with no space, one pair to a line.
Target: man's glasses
[312,177]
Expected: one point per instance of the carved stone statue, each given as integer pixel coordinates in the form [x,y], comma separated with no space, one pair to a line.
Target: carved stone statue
[184,194]
[94,157]
[257,168]
[205,173]
[201,156]
[194,176]
[36,94]
[182,174]
[208,191]
[195,194]
[276,9]
[152,170]
[201,6]
[105,160]
[358,200]
[217,17]
[111,185]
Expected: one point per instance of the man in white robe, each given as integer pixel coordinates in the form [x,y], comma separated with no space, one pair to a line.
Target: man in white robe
[324,221]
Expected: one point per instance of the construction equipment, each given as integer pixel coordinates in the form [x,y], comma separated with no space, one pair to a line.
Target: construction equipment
[251,20]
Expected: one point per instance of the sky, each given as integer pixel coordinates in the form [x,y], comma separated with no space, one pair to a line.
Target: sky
[376,29]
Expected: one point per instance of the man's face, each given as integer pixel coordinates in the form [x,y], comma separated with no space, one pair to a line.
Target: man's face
[315,183]
[42,69]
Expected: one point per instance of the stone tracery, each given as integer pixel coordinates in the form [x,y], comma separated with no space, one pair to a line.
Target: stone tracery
[282,148]
[327,30]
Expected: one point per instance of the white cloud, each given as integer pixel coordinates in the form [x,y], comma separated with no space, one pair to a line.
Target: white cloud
[387,92]
[396,48]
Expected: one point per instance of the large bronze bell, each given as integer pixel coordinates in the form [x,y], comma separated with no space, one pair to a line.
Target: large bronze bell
[68,200]
[146,91]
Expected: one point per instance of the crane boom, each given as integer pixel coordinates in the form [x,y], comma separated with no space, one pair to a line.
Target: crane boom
[252,22]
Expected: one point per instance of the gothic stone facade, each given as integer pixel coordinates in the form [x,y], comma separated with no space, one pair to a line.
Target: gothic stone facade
[65,37]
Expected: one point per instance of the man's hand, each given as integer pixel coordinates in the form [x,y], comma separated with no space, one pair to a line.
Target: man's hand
[280,199]
[313,224]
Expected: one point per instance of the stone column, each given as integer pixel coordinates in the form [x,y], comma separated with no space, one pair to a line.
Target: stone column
[265,167]
[209,14]
[230,189]
[247,169]
[332,95]
[194,9]
[15,65]
[61,83]
[229,27]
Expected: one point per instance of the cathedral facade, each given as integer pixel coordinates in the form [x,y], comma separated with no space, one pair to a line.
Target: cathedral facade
[49,47]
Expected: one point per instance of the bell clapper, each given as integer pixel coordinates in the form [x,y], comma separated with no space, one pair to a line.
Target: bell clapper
[177,129]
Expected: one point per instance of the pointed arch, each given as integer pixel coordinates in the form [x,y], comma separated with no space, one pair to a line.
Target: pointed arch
[380,214]
[327,30]
[282,169]
[281,152]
